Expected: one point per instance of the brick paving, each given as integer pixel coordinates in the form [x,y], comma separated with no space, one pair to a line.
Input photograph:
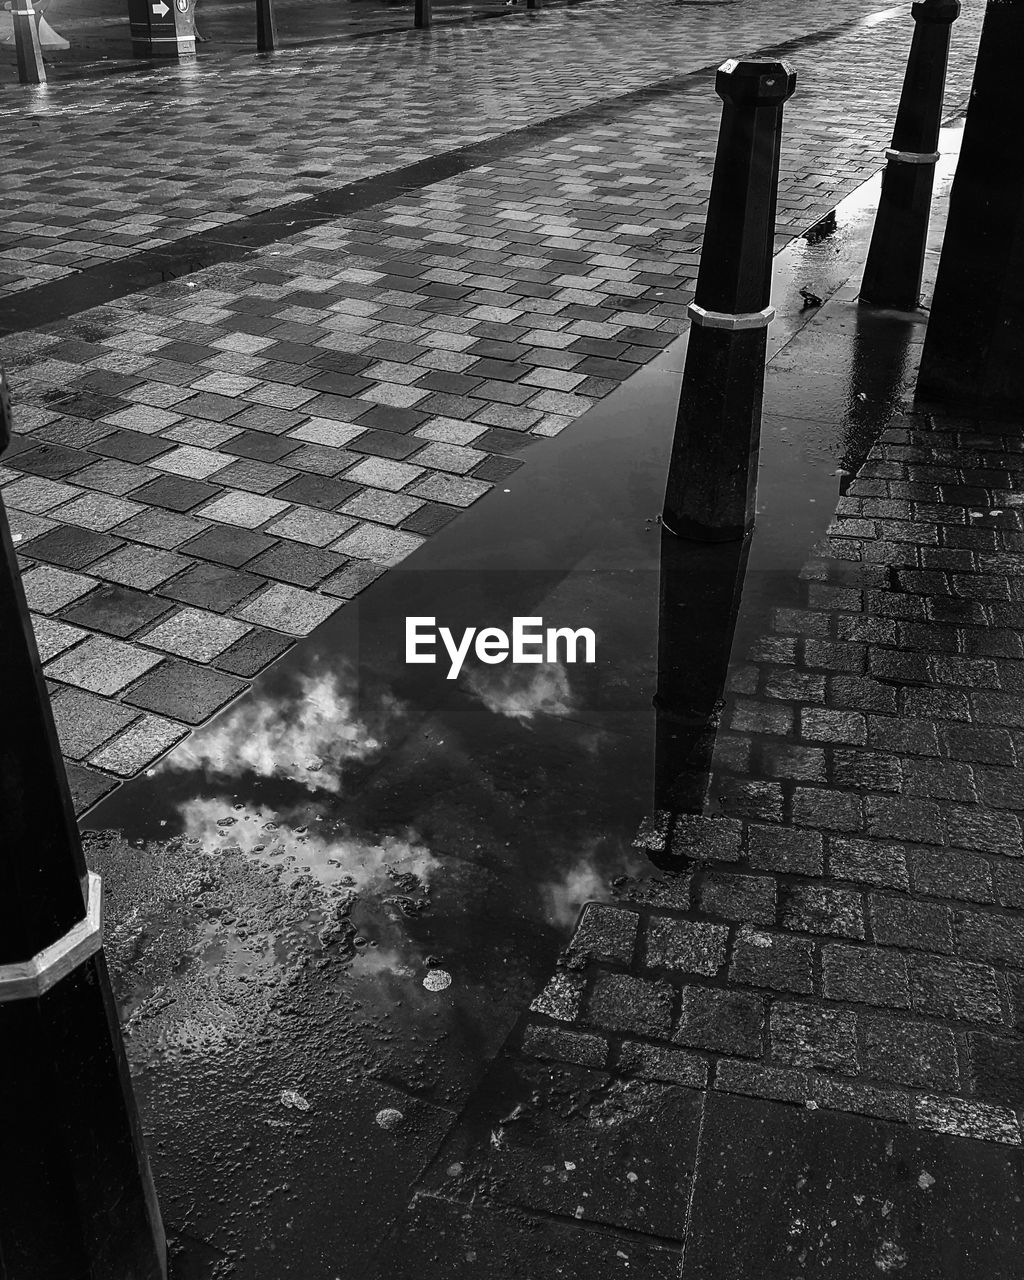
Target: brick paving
[845,931]
[208,469]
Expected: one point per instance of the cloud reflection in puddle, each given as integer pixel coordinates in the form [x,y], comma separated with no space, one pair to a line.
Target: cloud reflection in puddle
[307,737]
[521,694]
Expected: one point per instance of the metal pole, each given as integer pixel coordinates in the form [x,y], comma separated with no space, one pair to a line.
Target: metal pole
[76,1194]
[713,470]
[424,16]
[266,26]
[26,44]
[972,350]
[895,265]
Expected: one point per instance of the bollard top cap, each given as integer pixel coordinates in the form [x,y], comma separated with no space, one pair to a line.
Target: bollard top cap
[755,84]
[936,10]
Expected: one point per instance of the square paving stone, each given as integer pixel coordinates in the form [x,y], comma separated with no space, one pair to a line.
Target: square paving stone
[228,544]
[381,506]
[378,543]
[71,547]
[300,565]
[159,528]
[100,665]
[54,461]
[248,510]
[288,609]
[311,525]
[114,476]
[140,567]
[53,637]
[182,691]
[317,491]
[116,611]
[260,445]
[430,517]
[84,721]
[321,459]
[386,444]
[141,744]
[177,493]
[100,512]
[195,634]
[130,446]
[213,586]
[253,652]
[47,589]
[254,476]
[87,786]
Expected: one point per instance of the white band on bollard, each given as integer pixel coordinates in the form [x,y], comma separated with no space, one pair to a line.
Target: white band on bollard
[912,157]
[24,13]
[728,320]
[29,979]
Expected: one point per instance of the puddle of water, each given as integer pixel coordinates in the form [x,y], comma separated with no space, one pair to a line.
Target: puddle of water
[294,876]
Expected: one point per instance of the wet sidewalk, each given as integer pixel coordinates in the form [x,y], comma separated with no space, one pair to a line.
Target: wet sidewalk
[210,468]
[795,1047]
[439,378]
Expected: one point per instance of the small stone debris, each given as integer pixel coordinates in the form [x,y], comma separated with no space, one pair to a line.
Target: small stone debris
[293,1100]
[437,980]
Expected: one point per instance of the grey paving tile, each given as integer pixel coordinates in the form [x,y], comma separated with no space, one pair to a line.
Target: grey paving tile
[248,510]
[183,691]
[116,611]
[84,721]
[311,525]
[98,511]
[228,544]
[352,579]
[48,590]
[381,506]
[195,634]
[456,491]
[159,528]
[254,651]
[381,545]
[70,547]
[146,740]
[384,473]
[288,609]
[140,567]
[100,665]
[87,786]
[216,587]
[53,637]
[302,566]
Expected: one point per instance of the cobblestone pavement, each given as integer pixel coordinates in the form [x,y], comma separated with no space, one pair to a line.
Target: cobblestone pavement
[846,929]
[211,467]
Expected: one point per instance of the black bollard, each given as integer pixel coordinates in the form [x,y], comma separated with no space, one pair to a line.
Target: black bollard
[266,26]
[971,361]
[26,44]
[76,1193]
[423,13]
[895,265]
[713,471]
[701,588]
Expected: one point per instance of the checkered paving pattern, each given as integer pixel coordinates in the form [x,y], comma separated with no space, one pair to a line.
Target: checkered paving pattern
[848,932]
[208,470]
[95,172]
